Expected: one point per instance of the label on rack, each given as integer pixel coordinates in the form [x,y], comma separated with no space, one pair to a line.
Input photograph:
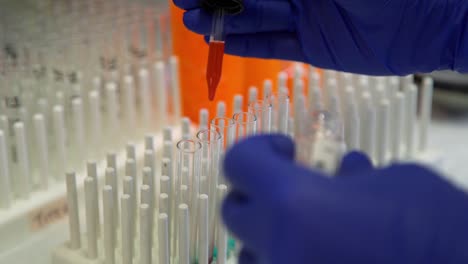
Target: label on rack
[48,214]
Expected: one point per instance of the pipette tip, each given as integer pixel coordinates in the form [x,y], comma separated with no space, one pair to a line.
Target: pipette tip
[214,69]
[212,87]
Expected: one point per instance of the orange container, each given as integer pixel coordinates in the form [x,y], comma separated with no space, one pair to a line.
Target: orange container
[257,70]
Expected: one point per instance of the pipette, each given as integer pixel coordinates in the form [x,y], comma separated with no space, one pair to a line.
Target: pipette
[216,49]
[215,53]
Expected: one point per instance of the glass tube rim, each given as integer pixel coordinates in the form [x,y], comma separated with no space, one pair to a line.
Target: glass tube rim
[197,146]
[264,104]
[217,133]
[254,120]
[231,121]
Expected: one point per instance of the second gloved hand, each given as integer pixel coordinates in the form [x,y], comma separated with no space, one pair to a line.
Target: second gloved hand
[378,37]
[284,213]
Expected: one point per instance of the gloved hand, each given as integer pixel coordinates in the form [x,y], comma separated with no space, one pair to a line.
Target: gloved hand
[378,37]
[284,213]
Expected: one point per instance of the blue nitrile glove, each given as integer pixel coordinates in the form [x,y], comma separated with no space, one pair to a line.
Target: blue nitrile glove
[363,36]
[284,213]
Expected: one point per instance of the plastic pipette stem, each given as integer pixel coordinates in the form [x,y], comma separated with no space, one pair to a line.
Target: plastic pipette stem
[215,54]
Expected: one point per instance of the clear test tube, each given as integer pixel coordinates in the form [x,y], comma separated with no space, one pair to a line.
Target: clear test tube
[246,125]
[189,163]
[210,177]
[211,142]
[320,142]
[262,109]
[189,154]
[226,128]
[280,111]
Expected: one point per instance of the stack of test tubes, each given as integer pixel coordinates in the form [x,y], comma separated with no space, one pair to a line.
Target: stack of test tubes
[170,213]
[329,113]
[69,95]
[158,205]
[375,115]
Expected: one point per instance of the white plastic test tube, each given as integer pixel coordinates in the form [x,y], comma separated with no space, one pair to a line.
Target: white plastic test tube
[145,234]
[129,103]
[131,170]
[175,85]
[111,160]
[148,181]
[186,128]
[334,101]
[4,126]
[166,188]
[164,202]
[149,161]
[363,84]
[315,95]
[352,125]
[145,97]
[112,114]
[253,94]
[184,234]
[127,229]
[221,109]
[168,150]
[411,108]
[167,133]
[298,73]
[73,211]
[149,142]
[298,110]
[203,232]
[368,125]
[397,122]
[91,168]
[291,127]
[282,80]
[283,112]
[91,217]
[426,111]
[95,128]
[393,86]
[42,148]
[43,108]
[145,195]
[160,92]
[406,81]
[163,238]
[24,179]
[60,141]
[128,188]
[166,170]
[112,181]
[221,239]
[237,104]
[383,129]
[267,89]
[204,116]
[5,180]
[131,151]
[165,183]
[108,224]
[79,129]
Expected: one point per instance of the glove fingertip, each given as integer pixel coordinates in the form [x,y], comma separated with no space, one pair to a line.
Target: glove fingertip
[354,162]
[283,145]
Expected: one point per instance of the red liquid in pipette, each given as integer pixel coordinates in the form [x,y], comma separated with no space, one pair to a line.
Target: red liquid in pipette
[215,66]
